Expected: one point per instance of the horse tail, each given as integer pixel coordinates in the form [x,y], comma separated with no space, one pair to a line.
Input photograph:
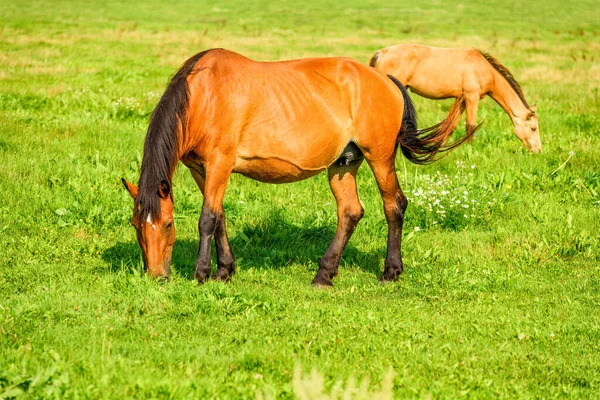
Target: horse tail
[424,146]
[374,59]
[409,117]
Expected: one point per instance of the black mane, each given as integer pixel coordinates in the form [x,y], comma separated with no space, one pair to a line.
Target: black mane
[506,74]
[162,139]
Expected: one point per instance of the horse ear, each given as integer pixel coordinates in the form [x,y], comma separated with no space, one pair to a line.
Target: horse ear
[533,108]
[131,188]
[164,189]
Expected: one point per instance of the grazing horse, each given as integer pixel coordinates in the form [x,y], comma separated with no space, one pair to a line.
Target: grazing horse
[466,74]
[276,122]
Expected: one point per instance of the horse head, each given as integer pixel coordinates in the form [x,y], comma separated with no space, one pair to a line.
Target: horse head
[528,131]
[155,231]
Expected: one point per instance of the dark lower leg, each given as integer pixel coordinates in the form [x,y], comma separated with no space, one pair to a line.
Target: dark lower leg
[342,180]
[225,258]
[213,183]
[206,226]
[394,206]
[329,263]
[394,213]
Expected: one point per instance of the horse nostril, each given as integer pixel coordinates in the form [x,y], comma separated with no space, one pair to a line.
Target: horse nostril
[535,146]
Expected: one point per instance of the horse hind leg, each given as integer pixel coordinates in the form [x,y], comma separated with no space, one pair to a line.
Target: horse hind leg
[394,206]
[342,180]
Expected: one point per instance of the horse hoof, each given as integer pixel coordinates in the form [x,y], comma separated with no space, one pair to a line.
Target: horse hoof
[202,277]
[321,283]
[222,275]
[388,277]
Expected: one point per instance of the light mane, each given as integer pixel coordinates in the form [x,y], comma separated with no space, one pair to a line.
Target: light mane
[506,74]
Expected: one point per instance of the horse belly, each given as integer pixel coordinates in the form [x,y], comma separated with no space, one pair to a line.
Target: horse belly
[276,170]
[287,157]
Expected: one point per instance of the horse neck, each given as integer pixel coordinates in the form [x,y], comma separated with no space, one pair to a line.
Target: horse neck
[159,160]
[507,98]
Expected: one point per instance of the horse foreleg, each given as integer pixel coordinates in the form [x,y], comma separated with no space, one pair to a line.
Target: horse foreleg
[342,180]
[394,206]
[471,104]
[212,218]
[225,257]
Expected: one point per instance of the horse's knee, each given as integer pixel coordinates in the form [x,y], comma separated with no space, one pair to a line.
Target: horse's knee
[402,202]
[354,214]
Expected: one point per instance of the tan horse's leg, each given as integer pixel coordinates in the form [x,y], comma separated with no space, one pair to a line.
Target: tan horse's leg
[394,206]
[342,180]
[471,104]
[225,257]
[212,221]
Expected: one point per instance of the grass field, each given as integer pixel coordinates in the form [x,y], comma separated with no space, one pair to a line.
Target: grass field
[501,301]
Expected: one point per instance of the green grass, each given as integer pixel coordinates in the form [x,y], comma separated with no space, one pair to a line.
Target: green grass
[502,304]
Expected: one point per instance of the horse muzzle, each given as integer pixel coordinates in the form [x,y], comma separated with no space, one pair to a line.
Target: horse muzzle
[161,270]
[535,146]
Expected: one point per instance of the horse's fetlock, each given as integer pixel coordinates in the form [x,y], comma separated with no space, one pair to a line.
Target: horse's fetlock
[202,275]
[322,279]
[326,264]
[227,262]
[224,273]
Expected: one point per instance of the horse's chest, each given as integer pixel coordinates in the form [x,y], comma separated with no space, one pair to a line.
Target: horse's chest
[195,164]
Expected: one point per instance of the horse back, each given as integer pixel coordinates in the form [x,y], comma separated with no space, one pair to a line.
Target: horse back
[436,72]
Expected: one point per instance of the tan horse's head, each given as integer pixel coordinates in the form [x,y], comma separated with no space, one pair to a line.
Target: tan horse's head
[155,233]
[527,130]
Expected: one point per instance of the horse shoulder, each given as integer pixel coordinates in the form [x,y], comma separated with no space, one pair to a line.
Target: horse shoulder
[402,61]
[477,74]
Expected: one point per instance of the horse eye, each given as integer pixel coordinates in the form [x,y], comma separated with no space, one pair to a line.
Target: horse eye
[169,225]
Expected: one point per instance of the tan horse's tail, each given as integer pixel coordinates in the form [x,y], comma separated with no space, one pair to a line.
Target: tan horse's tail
[424,146]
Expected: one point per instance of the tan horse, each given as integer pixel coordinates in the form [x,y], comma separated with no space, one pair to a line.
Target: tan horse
[466,74]
[276,122]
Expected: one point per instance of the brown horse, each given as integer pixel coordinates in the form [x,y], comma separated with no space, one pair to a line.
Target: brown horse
[466,74]
[276,122]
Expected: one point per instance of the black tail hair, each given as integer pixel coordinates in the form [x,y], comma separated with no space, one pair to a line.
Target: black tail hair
[424,146]
[167,123]
[409,118]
